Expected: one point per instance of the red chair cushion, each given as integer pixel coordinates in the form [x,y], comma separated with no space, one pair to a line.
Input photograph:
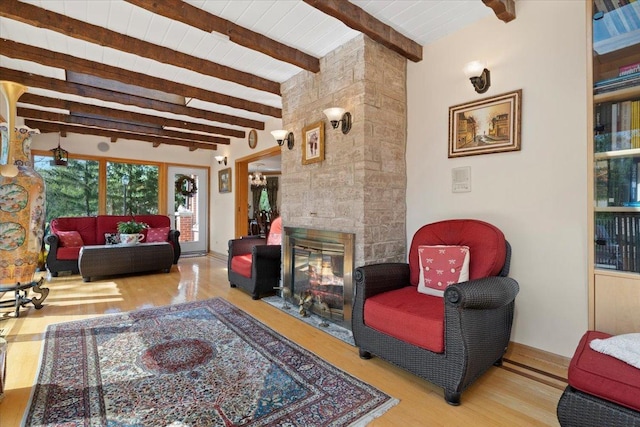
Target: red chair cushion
[487,245]
[275,232]
[408,316]
[241,264]
[604,376]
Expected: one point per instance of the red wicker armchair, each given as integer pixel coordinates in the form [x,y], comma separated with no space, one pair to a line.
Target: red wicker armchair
[450,340]
[254,263]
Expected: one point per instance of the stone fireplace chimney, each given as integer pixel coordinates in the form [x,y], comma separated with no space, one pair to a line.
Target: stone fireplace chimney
[360,186]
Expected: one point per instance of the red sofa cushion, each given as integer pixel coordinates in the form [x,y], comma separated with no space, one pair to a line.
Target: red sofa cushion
[160,234]
[68,253]
[604,376]
[109,223]
[408,316]
[86,226]
[70,239]
[241,264]
[487,245]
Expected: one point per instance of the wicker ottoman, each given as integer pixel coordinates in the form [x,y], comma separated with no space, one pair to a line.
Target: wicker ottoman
[603,391]
[108,260]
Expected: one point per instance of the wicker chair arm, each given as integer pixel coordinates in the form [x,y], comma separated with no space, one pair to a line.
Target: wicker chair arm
[486,293]
[267,251]
[377,278]
[243,246]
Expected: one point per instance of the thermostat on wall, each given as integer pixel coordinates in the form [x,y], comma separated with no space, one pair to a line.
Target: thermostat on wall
[461,179]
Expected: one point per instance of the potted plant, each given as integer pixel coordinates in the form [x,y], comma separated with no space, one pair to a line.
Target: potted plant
[130,232]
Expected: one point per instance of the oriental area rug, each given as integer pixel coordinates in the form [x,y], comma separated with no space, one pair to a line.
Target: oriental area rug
[204,363]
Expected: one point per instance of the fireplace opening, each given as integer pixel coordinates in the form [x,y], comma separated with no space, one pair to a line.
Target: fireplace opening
[318,268]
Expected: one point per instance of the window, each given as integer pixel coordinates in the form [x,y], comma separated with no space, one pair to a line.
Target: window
[132,189]
[71,190]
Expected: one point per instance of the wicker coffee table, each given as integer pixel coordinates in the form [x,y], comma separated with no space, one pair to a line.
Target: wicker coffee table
[108,260]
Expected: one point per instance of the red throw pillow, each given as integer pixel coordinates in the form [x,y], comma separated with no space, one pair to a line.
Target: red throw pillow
[441,266]
[70,239]
[160,234]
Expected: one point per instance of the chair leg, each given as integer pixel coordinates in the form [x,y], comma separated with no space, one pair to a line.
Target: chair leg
[364,354]
[255,296]
[452,397]
[498,362]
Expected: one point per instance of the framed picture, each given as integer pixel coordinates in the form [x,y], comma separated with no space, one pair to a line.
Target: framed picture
[224,180]
[490,125]
[313,143]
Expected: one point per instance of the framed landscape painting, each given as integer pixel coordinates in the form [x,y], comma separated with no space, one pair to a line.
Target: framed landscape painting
[313,143]
[489,125]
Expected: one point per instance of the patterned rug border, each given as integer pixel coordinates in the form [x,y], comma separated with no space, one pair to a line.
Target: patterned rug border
[385,402]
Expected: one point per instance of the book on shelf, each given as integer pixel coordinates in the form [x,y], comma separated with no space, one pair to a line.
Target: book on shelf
[617,126]
[628,70]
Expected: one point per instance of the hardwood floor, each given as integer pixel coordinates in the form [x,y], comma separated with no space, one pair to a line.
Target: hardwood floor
[502,397]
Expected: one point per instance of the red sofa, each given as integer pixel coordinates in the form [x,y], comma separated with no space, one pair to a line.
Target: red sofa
[63,253]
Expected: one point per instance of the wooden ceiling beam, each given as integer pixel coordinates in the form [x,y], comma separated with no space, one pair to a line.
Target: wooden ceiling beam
[356,18]
[47,127]
[32,80]
[123,115]
[50,116]
[42,18]
[26,52]
[505,10]
[178,10]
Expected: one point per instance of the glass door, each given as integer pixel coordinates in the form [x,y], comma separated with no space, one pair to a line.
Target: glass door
[188,189]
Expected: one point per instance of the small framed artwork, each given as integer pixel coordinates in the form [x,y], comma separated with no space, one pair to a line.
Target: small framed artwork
[224,180]
[489,125]
[313,143]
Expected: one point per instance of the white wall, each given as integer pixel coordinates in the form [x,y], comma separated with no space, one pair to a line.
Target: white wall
[537,196]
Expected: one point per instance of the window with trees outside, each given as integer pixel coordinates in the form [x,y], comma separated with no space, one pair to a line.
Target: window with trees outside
[131,188]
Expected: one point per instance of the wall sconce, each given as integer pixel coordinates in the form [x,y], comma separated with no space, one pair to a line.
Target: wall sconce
[221,159]
[479,75]
[337,115]
[283,136]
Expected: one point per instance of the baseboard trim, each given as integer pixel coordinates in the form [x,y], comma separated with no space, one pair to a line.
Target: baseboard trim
[218,256]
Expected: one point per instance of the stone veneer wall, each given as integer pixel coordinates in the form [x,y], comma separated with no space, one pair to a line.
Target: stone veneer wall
[360,187]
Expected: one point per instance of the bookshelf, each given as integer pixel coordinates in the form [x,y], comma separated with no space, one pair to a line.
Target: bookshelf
[614,153]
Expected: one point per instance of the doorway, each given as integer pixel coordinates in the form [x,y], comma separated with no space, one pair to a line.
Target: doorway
[187,207]
[242,188]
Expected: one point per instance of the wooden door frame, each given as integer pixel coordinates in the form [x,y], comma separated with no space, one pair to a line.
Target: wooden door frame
[242,188]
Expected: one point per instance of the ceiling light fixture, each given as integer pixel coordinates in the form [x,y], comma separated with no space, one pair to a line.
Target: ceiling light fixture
[221,159]
[479,75]
[281,136]
[256,179]
[60,155]
[336,116]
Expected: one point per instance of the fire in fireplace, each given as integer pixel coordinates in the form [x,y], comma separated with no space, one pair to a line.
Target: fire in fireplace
[318,267]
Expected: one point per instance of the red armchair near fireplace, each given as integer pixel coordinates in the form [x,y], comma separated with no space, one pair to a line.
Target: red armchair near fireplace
[254,263]
[449,340]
